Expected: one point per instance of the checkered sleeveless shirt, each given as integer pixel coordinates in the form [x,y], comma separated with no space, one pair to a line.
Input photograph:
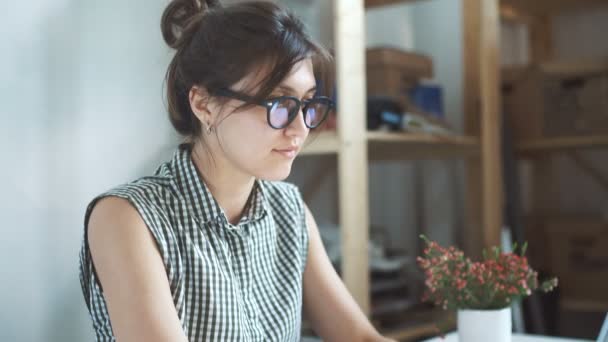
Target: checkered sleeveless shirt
[229,282]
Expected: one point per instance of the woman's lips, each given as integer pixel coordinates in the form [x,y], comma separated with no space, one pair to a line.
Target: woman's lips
[290,152]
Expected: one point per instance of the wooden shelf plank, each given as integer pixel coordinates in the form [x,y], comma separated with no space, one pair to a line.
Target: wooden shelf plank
[400,146]
[412,146]
[545,145]
[536,7]
[576,68]
[539,7]
[380,136]
[378,3]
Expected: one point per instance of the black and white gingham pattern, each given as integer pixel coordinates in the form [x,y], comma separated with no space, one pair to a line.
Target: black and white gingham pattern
[229,282]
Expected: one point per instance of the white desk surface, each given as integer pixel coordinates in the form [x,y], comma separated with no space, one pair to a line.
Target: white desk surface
[453,337]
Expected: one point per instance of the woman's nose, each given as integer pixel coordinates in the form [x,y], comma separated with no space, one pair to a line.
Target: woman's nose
[297,126]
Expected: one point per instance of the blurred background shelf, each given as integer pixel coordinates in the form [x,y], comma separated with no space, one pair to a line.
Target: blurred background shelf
[400,145]
[556,113]
[396,146]
[542,7]
[546,145]
[527,7]
[377,3]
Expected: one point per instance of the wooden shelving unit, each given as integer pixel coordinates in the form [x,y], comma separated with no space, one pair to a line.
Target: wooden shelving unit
[531,148]
[480,146]
[537,15]
[355,147]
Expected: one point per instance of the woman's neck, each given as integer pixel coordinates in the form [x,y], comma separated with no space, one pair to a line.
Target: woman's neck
[230,187]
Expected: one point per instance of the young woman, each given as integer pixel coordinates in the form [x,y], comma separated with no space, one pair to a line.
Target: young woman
[213,247]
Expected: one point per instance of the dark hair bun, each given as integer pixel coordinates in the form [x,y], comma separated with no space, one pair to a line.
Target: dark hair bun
[181,18]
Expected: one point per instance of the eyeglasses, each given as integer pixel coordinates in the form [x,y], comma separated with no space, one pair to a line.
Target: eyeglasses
[283,109]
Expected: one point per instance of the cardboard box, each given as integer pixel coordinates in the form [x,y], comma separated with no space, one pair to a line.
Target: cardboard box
[393,72]
[556,99]
[578,249]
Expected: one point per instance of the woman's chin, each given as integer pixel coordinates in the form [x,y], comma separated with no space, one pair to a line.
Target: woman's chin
[277,174]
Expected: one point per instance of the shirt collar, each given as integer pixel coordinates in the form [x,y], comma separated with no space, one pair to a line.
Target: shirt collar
[256,205]
[199,200]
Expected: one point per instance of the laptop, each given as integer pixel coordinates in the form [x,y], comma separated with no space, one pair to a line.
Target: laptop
[603,337]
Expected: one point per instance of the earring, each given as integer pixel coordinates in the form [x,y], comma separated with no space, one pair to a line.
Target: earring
[209,128]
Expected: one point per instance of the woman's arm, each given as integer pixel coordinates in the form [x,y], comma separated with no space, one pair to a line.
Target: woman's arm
[132,274]
[328,305]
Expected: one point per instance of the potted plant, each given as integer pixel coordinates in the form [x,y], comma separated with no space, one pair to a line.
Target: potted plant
[481,291]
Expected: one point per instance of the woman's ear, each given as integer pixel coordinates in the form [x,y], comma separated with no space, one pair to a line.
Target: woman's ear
[199,103]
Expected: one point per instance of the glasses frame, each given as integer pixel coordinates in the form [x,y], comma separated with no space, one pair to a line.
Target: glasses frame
[269,103]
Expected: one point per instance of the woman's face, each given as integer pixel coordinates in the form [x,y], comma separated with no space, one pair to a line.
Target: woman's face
[248,143]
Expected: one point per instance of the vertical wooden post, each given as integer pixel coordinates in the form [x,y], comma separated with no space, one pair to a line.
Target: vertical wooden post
[482,118]
[349,33]
[491,123]
[471,238]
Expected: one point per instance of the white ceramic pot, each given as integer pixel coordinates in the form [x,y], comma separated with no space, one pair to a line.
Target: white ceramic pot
[484,325]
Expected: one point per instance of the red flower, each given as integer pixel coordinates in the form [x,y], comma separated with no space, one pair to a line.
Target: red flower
[454,281]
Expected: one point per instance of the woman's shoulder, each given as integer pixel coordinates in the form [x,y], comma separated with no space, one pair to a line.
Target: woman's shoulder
[156,186]
[149,187]
[142,191]
[148,193]
[149,200]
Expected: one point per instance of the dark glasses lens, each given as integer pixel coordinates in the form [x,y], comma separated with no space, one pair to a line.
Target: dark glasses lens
[282,112]
[316,111]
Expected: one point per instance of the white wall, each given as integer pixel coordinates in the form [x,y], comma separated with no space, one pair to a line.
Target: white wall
[82,111]
[390,26]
